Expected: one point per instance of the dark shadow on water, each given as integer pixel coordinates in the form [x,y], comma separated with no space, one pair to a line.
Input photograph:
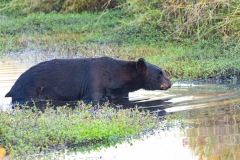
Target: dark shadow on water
[153,106]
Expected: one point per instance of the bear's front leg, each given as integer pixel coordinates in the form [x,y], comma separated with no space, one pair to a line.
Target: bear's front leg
[116,93]
[98,95]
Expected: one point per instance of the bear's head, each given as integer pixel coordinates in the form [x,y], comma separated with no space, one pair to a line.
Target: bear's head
[154,77]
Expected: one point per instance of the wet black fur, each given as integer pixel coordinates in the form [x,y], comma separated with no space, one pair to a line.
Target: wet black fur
[87,79]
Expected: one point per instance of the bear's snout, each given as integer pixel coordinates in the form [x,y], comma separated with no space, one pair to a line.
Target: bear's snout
[165,86]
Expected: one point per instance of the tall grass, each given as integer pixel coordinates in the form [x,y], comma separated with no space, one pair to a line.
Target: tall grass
[195,19]
[28,6]
[174,19]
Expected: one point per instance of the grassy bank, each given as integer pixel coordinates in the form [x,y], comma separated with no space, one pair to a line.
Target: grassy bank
[188,43]
[25,132]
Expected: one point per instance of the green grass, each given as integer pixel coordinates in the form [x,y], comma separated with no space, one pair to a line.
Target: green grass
[108,33]
[200,60]
[25,131]
[188,43]
[45,30]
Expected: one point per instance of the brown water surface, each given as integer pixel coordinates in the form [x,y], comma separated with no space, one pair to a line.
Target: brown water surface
[9,72]
[211,112]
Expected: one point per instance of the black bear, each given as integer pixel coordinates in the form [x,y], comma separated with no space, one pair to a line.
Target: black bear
[87,79]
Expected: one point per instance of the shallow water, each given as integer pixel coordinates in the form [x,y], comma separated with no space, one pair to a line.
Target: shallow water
[9,72]
[211,110]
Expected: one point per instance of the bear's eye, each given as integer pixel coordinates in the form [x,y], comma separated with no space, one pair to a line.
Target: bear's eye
[160,73]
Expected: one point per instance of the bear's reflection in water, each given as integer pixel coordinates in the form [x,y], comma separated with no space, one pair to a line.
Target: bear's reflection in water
[151,106]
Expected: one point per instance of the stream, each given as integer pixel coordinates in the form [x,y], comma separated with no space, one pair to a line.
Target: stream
[211,110]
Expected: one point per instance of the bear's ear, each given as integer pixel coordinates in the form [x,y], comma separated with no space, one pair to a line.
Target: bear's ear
[141,65]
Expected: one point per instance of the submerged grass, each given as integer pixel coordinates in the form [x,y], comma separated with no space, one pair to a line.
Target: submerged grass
[30,131]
